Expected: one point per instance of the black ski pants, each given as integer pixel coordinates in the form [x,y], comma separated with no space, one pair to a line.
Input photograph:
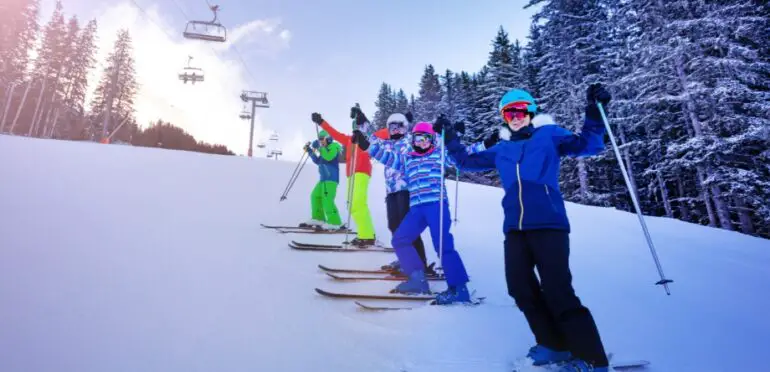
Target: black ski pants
[397,205]
[555,314]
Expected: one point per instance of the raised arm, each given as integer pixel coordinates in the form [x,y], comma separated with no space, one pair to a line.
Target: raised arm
[590,141]
[330,152]
[311,153]
[378,150]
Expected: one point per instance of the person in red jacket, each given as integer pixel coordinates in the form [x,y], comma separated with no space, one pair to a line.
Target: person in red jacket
[358,169]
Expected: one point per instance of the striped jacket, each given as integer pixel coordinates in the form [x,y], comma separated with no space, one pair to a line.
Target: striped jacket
[395,179]
[423,172]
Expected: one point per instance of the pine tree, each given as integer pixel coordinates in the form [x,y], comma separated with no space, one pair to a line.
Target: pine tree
[504,72]
[574,38]
[532,59]
[114,96]
[427,104]
[18,32]
[448,105]
[386,105]
[402,103]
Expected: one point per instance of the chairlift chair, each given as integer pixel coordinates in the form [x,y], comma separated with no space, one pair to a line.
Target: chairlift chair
[245,114]
[202,30]
[274,137]
[192,74]
[261,145]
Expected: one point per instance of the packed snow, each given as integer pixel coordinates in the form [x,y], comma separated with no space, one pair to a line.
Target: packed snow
[117,258]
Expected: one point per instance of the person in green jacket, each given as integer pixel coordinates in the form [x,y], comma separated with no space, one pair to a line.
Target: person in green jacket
[325,214]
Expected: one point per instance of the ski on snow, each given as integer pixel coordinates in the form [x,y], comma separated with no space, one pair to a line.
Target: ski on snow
[305,230]
[364,271]
[376,297]
[337,247]
[625,365]
[400,297]
[336,276]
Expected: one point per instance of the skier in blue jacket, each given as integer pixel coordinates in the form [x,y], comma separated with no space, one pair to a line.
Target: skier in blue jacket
[536,227]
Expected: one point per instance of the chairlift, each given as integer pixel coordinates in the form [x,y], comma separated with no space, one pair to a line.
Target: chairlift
[261,145]
[274,137]
[189,73]
[207,31]
[245,114]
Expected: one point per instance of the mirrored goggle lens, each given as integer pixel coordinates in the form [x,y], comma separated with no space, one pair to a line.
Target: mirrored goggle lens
[396,126]
[513,113]
[422,137]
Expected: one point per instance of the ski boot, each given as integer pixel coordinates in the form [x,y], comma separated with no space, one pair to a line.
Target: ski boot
[453,294]
[312,224]
[429,271]
[362,243]
[415,284]
[542,355]
[577,365]
[394,266]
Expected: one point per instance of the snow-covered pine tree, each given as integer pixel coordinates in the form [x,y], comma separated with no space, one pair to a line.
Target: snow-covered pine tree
[733,73]
[448,104]
[462,97]
[573,36]
[386,104]
[80,63]
[18,32]
[402,103]
[503,73]
[532,59]
[427,103]
[114,95]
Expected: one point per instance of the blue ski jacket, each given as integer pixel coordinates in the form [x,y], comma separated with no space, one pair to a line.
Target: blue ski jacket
[529,169]
[328,161]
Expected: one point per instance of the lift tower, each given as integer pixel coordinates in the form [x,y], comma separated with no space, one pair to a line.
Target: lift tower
[257,99]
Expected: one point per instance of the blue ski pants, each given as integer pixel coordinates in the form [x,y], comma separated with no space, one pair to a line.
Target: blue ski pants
[417,219]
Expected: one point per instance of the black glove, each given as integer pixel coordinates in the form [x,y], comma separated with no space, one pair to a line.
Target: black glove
[460,127]
[356,113]
[594,93]
[308,148]
[409,117]
[441,123]
[316,118]
[492,139]
[360,139]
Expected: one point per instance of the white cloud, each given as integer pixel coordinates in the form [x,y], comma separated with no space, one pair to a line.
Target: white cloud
[285,35]
[207,110]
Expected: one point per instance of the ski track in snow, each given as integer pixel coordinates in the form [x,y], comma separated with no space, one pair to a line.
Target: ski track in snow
[115,258]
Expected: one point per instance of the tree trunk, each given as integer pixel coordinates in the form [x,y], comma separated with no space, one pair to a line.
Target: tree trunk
[583,177]
[664,195]
[722,212]
[744,215]
[684,209]
[704,194]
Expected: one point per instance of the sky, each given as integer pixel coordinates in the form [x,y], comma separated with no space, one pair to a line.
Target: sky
[309,56]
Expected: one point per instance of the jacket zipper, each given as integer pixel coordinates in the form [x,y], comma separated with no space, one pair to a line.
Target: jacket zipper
[546,190]
[521,199]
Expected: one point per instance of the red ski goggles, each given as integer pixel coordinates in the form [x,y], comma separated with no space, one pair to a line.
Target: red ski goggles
[517,110]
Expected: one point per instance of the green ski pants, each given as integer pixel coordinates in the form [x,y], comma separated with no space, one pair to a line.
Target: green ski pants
[322,203]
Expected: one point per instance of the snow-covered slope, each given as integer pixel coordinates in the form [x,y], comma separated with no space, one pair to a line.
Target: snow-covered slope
[115,258]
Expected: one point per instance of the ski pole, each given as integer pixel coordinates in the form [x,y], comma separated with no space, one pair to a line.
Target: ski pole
[352,179]
[302,160]
[663,281]
[457,191]
[441,203]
